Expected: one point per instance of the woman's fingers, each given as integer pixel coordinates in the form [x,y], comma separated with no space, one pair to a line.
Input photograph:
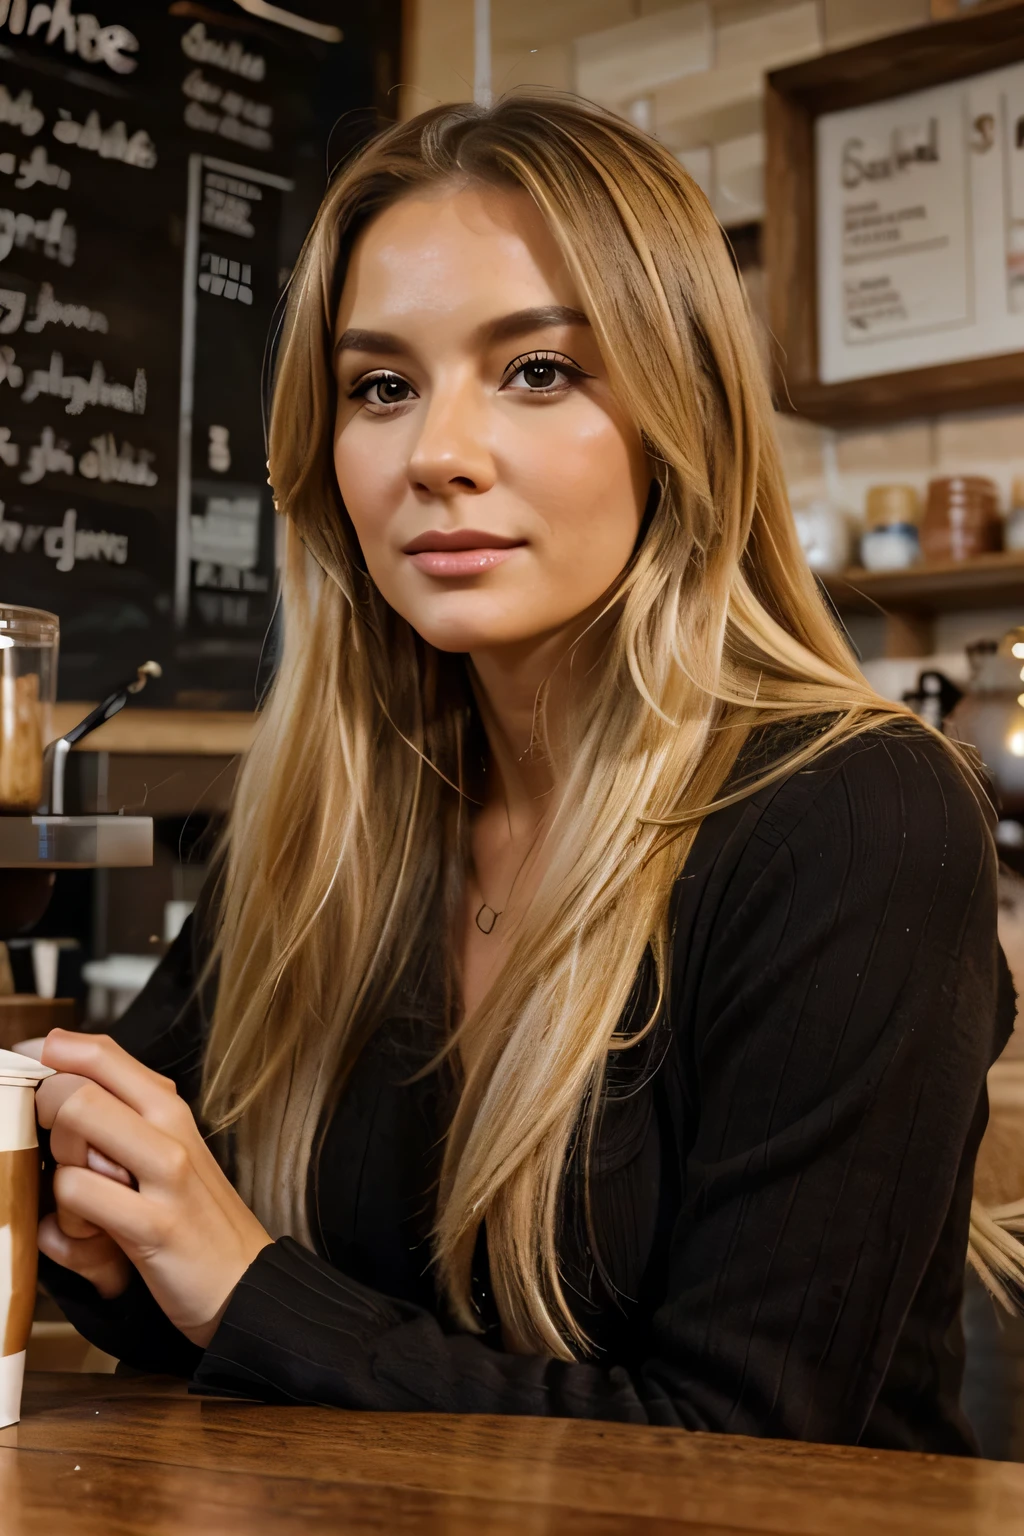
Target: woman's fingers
[73,1226]
[136,1223]
[107,1063]
[52,1093]
[119,1134]
[96,1258]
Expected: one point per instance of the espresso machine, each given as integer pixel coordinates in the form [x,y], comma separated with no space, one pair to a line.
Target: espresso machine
[37,836]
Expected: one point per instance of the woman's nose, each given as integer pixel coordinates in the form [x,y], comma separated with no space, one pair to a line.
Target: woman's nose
[452,454]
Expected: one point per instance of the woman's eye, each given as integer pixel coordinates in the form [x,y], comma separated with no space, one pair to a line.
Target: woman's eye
[541,375]
[383,389]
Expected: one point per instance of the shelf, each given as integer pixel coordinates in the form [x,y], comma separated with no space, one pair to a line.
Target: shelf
[163,732]
[987,581]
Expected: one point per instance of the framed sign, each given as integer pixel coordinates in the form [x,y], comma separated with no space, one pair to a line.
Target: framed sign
[894,231]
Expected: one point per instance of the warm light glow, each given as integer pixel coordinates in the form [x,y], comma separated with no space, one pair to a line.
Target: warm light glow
[1016,743]
[7,644]
[1017,649]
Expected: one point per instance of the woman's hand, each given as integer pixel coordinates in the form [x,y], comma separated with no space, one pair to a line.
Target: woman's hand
[183,1226]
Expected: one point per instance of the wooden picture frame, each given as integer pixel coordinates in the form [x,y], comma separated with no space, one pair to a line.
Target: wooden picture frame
[971,44]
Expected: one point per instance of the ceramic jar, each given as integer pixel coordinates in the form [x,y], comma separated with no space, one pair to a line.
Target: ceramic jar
[1013,531]
[890,542]
[824,536]
[961,518]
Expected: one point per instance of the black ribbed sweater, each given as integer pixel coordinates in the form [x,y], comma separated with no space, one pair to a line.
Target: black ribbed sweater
[782,1182]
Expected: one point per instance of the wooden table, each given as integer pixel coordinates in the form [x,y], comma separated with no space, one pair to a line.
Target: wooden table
[105,1456]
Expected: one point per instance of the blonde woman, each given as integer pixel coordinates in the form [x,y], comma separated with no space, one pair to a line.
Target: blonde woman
[592,1011]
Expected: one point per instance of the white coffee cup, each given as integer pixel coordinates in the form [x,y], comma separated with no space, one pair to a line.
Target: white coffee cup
[19,1220]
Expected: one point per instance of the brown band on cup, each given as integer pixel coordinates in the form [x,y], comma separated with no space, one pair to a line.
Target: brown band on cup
[19,1206]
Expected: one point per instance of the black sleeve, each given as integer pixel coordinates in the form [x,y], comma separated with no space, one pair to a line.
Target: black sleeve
[841,1029]
[164,1029]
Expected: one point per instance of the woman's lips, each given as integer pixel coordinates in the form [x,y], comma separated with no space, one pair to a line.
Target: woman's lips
[460,562]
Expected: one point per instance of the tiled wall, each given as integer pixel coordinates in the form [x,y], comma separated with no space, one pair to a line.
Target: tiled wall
[691,72]
[711,115]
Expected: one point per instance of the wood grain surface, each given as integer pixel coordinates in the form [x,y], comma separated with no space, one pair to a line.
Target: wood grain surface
[102,1456]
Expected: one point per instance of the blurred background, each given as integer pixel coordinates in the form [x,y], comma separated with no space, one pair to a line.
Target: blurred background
[159,165]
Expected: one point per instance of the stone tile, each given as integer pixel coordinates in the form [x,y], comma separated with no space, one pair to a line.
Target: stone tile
[437,62]
[549,67]
[982,443]
[900,452]
[536,23]
[800,442]
[739,179]
[769,36]
[745,49]
[848,22]
[625,62]
[712,127]
[996,436]
[681,102]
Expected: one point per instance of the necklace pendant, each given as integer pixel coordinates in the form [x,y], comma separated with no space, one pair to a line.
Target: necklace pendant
[486,918]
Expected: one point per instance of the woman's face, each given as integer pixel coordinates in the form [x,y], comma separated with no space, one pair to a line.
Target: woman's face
[495,484]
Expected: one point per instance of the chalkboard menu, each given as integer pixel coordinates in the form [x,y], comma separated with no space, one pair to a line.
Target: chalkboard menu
[159,164]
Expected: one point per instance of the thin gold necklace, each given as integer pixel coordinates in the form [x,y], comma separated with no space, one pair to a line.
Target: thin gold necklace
[486,915]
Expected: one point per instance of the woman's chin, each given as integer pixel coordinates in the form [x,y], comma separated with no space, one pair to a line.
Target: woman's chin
[459,627]
[465,639]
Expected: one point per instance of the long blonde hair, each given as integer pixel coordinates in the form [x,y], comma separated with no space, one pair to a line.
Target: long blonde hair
[343,860]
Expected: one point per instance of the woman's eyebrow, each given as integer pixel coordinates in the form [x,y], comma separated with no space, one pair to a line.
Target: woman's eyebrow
[371,341]
[505,328]
[523,321]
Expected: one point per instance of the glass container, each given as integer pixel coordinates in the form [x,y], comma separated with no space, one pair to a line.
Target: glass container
[29,642]
[991,717]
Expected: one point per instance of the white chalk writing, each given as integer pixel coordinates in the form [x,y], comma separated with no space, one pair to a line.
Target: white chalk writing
[231,612]
[50,311]
[55,235]
[228,532]
[37,170]
[212,109]
[50,456]
[227,203]
[20,112]
[79,391]
[81,34]
[228,578]
[12,310]
[11,372]
[225,279]
[64,542]
[196,45]
[113,143]
[126,465]
[103,460]
[219,450]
